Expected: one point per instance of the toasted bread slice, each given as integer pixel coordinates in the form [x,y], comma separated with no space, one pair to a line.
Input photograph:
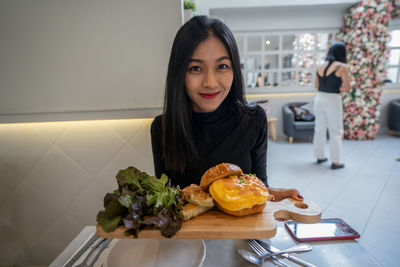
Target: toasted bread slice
[190,210]
[193,194]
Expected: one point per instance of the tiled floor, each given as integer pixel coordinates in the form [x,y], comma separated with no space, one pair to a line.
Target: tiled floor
[365,194]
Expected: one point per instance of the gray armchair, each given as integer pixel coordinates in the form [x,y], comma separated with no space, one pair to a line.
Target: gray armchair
[394,117]
[296,129]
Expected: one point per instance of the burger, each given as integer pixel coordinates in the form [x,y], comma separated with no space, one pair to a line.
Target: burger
[233,192]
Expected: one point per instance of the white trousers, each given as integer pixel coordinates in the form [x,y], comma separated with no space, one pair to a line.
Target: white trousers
[328,111]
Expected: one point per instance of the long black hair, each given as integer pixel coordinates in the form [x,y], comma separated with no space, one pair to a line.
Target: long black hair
[337,52]
[179,150]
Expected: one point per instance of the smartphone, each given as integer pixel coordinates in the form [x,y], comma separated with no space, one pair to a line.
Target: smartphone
[325,229]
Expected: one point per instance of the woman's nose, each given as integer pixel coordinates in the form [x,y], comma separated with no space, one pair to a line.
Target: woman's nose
[210,79]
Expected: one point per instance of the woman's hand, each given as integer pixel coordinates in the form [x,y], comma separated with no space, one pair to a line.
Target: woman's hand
[282,193]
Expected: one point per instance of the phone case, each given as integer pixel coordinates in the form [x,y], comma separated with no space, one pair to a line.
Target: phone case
[339,222]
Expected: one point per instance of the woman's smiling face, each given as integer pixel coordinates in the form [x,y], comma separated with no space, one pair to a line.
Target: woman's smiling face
[209,76]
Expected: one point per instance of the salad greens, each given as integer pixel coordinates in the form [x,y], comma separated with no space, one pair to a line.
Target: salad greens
[142,200]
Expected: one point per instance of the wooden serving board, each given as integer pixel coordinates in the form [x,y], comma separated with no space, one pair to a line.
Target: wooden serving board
[214,224]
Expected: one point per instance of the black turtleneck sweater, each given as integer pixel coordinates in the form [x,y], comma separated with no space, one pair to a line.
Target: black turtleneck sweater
[220,136]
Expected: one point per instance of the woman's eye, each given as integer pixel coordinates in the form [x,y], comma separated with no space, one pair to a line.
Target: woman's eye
[223,66]
[194,68]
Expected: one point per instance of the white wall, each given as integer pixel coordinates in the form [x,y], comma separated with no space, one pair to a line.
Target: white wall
[88,55]
[277,18]
[53,178]
[204,6]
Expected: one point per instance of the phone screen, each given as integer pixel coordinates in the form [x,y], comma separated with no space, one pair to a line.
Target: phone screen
[325,229]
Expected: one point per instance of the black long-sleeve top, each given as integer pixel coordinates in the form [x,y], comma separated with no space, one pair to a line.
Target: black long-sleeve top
[220,136]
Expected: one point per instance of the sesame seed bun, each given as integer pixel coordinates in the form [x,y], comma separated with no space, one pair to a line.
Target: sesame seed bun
[217,172]
[258,208]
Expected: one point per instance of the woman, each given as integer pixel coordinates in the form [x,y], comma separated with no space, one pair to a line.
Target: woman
[206,120]
[332,77]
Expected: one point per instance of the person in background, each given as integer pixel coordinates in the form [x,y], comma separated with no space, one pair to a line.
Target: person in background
[259,80]
[332,78]
[206,119]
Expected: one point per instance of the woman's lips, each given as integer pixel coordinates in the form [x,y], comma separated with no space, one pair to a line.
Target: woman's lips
[209,96]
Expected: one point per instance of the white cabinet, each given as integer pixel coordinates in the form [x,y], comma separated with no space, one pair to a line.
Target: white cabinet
[64,60]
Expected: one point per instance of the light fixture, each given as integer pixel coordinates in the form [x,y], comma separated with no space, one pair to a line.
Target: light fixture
[267,42]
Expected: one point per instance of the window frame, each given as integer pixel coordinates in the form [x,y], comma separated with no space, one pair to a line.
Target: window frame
[280,52]
[395,26]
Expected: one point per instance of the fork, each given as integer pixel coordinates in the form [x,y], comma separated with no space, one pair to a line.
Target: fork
[298,248]
[84,262]
[260,251]
[101,249]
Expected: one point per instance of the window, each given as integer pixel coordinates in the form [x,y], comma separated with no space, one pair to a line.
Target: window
[393,64]
[281,60]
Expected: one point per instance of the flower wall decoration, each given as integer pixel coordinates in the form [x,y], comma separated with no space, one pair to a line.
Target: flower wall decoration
[365,33]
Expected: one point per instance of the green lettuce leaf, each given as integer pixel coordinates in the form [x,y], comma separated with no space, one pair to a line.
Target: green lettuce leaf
[167,220]
[108,224]
[152,184]
[131,176]
[127,197]
[110,218]
[142,200]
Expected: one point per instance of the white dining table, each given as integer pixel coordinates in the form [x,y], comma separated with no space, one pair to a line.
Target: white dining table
[223,252]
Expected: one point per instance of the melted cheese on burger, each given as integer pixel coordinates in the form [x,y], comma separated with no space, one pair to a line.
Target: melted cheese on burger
[236,193]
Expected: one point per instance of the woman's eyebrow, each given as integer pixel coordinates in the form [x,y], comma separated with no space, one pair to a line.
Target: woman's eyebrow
[195,60]
[223,58]
[199,60]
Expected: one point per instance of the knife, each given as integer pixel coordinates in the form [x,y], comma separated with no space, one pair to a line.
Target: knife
[285,255]
[93,237]
[101,249]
